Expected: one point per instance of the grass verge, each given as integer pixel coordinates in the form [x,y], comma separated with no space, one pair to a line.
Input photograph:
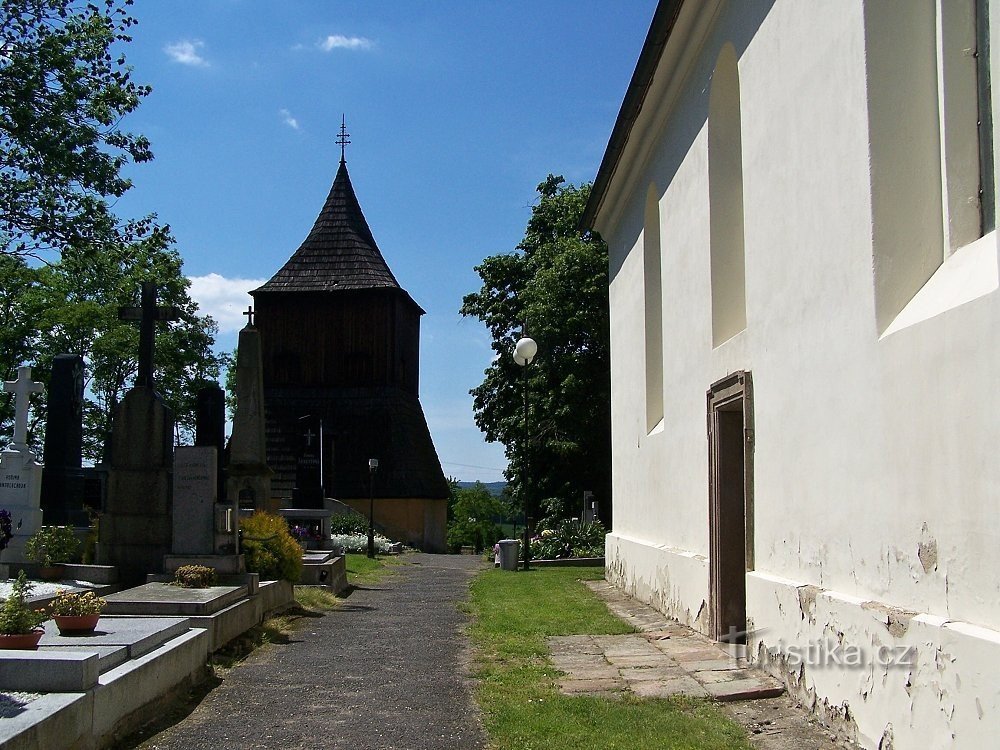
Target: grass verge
[361,570]
[517,691]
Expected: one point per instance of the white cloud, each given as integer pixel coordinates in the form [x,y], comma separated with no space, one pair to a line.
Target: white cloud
[185,52]
[224,299]
[286,117]
[338,41]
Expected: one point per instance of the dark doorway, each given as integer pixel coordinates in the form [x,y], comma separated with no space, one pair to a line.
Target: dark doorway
[730,440]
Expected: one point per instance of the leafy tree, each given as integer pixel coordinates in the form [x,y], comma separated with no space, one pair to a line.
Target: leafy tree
[63,93]
[555,283]
[72,307]
[472,517]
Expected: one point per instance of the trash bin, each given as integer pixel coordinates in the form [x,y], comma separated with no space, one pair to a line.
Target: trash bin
[508,553]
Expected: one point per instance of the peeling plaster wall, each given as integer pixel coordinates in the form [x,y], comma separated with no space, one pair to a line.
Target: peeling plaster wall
[920,679]
[875,471]
[673,581]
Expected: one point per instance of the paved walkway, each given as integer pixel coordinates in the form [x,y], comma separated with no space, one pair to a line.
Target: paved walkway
[662,659]
[665,657]
[385,671]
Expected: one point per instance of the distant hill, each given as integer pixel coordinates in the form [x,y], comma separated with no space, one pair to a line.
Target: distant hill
[495,488]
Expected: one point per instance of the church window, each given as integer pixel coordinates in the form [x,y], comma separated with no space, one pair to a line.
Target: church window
[725,186]
[653,308]
[930,139]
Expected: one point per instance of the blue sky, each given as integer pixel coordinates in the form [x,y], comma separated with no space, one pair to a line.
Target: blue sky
[456,110]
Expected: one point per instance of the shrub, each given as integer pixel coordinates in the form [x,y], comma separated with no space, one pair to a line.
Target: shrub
[16,617]
[52,545]
[194,577]
[349,523]
[71,604]
[570,539]
[269,548]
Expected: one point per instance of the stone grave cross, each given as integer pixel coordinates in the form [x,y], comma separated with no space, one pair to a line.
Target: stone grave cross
[147,314]
[22,388]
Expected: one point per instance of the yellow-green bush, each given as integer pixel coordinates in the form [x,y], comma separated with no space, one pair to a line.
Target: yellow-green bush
[269,548]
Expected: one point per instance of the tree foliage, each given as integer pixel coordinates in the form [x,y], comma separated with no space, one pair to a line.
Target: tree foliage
[71,307]
[473,514]
[556,284]
[63,91]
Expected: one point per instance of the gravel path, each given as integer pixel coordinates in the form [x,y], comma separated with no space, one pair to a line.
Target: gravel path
[384,671]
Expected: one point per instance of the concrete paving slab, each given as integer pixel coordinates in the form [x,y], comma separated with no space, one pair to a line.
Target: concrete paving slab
[139,635]
[164,599]
[605,672]
[773,723]
[591,687]
[573,644]
[712,665]
[743,690]
[720,675]
[648,674]
[666,688]
[576,665]
[652,660]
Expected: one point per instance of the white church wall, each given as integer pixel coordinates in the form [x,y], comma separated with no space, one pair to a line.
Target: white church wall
[874,450]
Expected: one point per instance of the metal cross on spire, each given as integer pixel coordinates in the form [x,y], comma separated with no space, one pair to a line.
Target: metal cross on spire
[342,139]
[249,313]
[147,314]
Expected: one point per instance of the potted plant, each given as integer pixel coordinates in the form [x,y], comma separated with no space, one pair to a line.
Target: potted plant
[18,621]
[52,547]
[76,613]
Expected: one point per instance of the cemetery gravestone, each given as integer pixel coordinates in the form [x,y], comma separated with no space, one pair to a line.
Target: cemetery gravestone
[308,464]
[135,530]
[194,501]
[62,476]
[20,473]
[210,428]
[204,531]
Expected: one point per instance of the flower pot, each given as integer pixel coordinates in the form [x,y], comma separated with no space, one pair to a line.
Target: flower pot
[22,641]
[76,624]
[51,572]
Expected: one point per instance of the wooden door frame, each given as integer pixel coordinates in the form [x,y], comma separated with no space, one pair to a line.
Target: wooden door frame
[722,396]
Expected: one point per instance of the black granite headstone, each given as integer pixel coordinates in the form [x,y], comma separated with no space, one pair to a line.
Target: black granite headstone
[210,428]
[62,496]
[308,492]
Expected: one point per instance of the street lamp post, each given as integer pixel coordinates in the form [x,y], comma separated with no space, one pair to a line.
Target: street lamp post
[524,353]
[372,468]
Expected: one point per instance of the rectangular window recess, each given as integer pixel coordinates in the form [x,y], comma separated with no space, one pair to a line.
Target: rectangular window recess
[967,274]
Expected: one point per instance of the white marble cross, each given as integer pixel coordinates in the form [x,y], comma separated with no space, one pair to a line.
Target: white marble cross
[22,388]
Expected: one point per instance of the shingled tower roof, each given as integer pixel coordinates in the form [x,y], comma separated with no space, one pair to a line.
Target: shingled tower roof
[340,252]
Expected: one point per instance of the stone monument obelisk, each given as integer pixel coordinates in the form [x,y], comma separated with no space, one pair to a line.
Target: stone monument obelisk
[20,473]
[136,527]
[249,477]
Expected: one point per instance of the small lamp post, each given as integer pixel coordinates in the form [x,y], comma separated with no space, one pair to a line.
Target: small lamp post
[372,468]
[524,353]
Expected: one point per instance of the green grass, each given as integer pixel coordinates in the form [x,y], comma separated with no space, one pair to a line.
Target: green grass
[522,707]
[316,598]
[361,570]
